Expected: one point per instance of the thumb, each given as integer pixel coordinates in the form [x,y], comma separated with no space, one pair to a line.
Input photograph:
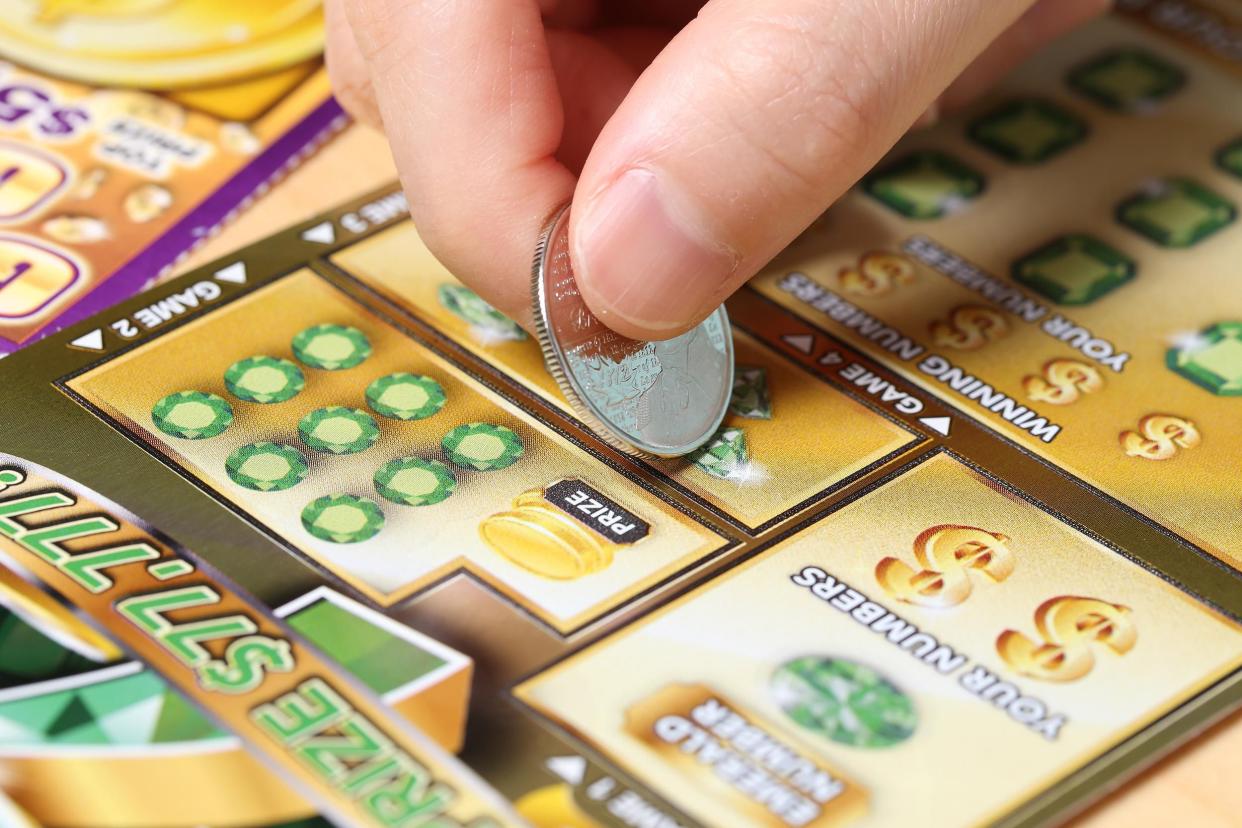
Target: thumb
[751,122]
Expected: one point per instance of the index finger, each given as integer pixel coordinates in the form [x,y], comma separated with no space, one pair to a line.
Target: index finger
[469,100]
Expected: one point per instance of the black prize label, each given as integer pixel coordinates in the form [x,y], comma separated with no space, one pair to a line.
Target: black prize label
[585,504]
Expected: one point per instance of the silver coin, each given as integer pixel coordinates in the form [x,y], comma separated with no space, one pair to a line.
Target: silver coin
[664,398]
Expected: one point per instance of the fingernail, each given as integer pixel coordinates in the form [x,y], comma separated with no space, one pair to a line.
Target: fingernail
[639,257]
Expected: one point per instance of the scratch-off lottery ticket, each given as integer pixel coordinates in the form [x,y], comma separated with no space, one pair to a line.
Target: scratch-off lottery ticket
[131,130]
[309,533]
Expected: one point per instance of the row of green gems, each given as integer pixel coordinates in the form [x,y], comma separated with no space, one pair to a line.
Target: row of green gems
[405,396]
[343,518]
[192,415]
[266,467]
[331,347]
[338,430]
[482,446]
[264,379]
[409,481]
[1077,269]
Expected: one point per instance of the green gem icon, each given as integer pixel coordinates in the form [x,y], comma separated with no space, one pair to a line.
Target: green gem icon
[844,701]
[1127,80]
[750,393]
[1028,130]
[343,518]
[405,396]
[266,467]
[331,347]
[1212,359]
[1229,157]
[1176,212]
[264,379]
[413,481]
[468,306]
[924,185]
[192,415]
[482,446]
[726,456]
[1074,270]
[338,430]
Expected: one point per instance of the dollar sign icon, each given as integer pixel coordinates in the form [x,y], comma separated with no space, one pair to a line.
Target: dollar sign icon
[969,327]
[1159,437]
[947,554]
[1068,626]
[1063,382]
[877,273]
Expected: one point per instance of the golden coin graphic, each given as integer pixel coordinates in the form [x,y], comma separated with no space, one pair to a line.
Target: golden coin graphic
[538,538]
[160,45]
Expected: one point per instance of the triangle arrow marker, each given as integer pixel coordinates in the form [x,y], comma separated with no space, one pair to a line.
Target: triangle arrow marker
[803,342]
[234,273]
[323,233]
[940,425]
[570,768]
[92,341]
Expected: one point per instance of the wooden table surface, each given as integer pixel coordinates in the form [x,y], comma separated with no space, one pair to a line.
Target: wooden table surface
[1198,786]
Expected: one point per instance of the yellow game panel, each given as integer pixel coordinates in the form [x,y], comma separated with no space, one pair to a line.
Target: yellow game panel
[938,616]
[1072,282]
[787,440]
[384,463]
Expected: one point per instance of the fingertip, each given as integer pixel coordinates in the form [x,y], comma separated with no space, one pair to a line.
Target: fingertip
[644,261]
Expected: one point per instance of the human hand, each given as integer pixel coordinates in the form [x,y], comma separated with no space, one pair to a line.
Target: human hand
[697,139]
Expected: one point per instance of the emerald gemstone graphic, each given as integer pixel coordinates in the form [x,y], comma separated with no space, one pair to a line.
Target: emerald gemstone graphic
[192,415]
[343,518]
[1176,212]
[1212,359]
[1074,270]
[844,701]
[924,185]
[1127,79]
[1028,130]
[482,446]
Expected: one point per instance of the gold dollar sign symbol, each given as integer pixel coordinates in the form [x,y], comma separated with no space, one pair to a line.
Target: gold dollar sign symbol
[1068,626]
[969,327]
[1159,437]
[947,553]
[877,273]
[1063,382]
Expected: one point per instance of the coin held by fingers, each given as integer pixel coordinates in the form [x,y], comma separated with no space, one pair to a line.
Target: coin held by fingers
[664,398]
